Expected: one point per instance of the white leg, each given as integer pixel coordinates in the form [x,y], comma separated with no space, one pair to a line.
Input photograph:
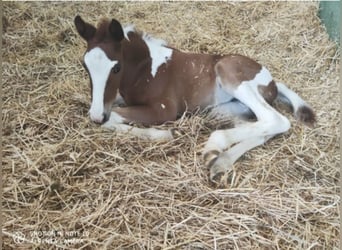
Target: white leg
[291,96]
[224,162]
[115,122]
[221,140]
[269,123]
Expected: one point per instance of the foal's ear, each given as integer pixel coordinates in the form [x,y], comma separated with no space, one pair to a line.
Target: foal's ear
[86,30]
[116,31]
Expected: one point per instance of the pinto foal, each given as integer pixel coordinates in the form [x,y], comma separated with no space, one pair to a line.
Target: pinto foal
[158,83]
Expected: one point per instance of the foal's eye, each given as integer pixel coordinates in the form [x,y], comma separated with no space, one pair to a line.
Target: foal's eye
[116,68]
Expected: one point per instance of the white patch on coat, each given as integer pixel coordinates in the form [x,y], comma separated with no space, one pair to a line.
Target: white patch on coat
[99,67]
[264,77]
[158,52]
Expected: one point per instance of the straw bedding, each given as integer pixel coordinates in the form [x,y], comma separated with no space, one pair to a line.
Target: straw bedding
[69,184]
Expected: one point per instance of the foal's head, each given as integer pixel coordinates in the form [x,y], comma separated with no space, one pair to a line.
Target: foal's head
[102,60]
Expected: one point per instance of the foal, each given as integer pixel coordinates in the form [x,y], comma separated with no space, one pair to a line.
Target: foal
[157,83]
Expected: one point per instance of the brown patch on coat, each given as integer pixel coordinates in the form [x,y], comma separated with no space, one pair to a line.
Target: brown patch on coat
[269,92]
[234,69]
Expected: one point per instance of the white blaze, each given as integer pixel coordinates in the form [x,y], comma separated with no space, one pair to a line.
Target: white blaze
[99,67]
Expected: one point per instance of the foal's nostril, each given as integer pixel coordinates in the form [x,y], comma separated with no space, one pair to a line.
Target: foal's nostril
[99,119]
[105,118]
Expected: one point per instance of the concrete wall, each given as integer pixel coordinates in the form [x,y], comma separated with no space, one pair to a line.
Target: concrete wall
[330,13]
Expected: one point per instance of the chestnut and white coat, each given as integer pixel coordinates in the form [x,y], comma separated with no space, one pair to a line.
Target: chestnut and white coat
[159,83]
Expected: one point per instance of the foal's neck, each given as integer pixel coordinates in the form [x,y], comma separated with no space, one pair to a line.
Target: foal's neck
[135,49]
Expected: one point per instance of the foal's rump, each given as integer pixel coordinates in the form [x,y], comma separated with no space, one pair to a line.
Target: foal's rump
[235,70]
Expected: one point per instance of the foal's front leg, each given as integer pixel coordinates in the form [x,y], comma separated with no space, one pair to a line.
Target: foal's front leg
[223,162]
[147,115]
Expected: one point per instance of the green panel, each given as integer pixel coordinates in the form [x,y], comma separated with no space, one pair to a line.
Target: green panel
[330,13]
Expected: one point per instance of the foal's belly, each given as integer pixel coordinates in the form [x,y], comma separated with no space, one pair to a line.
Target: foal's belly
[208,96]
[220,96]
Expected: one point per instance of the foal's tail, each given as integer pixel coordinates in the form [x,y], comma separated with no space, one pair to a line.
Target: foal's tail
[302,111]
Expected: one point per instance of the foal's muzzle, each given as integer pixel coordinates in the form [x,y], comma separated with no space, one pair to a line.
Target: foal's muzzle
[100,120]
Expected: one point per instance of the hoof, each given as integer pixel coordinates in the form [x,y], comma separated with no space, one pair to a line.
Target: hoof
[220,170]
[222,179]
[210,157]
[176,133]
[217,179]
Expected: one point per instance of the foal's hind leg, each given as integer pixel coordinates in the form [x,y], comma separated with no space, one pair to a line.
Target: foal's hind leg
[247,136]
